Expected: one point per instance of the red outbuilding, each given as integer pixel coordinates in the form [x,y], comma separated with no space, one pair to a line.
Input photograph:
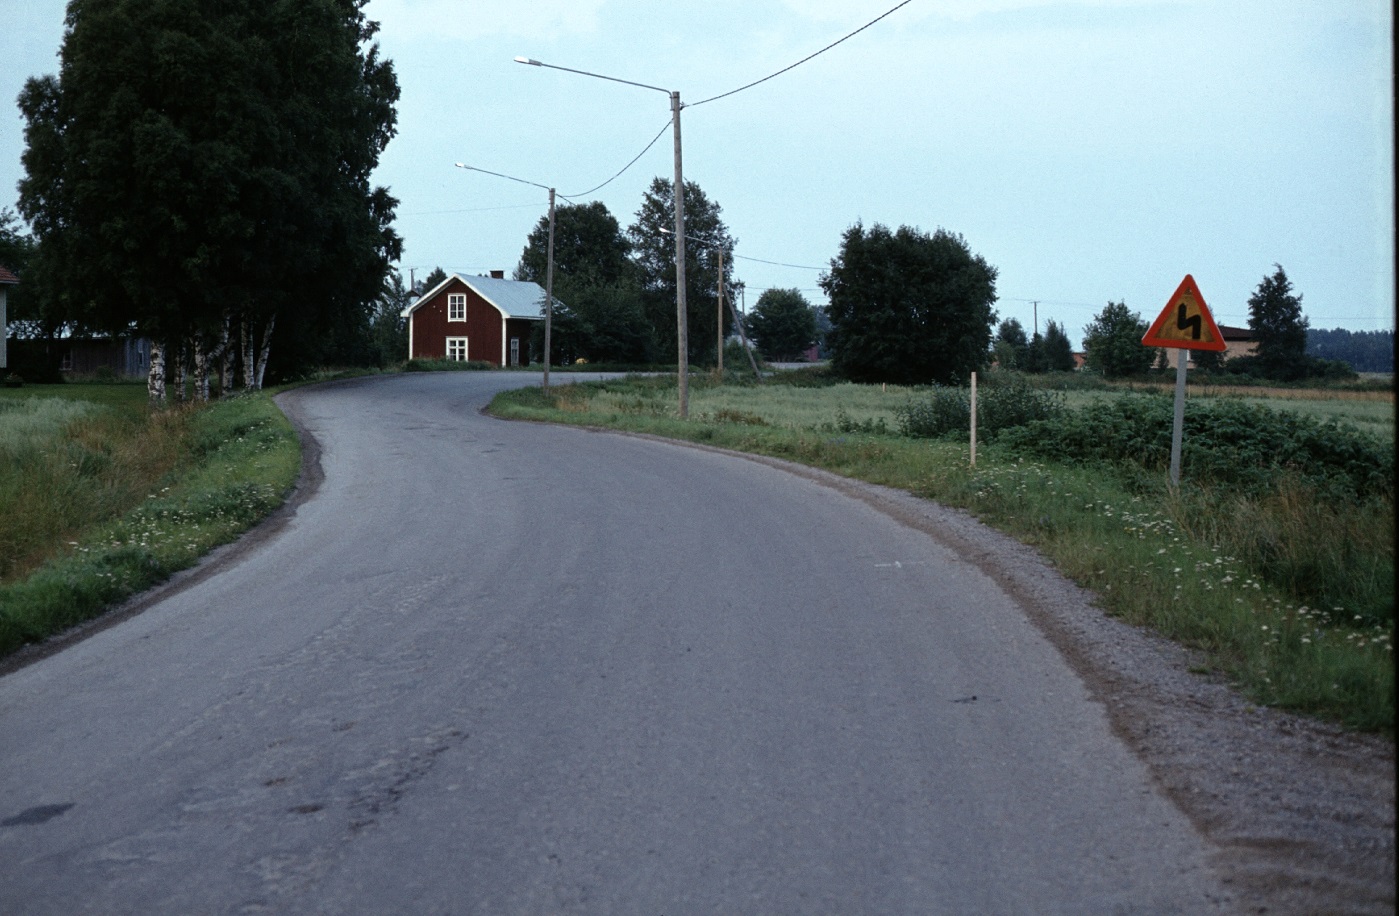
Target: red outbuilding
[488,319]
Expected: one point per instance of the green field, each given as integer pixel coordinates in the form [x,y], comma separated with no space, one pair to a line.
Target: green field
[799,408]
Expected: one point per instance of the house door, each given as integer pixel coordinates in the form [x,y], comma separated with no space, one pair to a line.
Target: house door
[514,351]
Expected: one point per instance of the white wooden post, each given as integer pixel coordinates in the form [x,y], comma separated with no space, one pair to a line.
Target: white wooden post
[973,419]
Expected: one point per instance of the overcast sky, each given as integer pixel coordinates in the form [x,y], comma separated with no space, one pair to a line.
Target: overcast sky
[1090,151]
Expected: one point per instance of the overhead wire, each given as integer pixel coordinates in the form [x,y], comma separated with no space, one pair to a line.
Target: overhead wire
[625,167]
[471,210]
[741,257]
[802,61]
[668,123]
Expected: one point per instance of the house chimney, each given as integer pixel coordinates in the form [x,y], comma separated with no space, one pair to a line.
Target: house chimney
[497,275]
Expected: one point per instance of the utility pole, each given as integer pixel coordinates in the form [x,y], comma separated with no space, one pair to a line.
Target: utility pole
[721,313]
[682,318]
[549,294]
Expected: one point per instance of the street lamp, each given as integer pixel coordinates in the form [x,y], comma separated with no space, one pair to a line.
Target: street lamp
[549,270]
[681,319]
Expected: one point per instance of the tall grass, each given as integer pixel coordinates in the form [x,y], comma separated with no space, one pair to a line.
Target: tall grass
[105,501]
[66,465]
[1287,586]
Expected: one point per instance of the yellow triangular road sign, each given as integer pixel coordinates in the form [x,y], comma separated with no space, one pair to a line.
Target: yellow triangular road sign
[1185,322]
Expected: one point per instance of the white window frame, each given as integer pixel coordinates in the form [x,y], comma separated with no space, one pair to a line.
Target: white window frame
[456,306]
[460,344]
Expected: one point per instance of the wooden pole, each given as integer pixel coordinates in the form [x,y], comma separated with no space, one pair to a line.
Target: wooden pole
[721,313]
[682,319]
[973,419]
[549,293]
[743,336]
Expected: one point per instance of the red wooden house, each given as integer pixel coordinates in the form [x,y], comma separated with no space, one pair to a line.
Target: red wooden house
[488,319]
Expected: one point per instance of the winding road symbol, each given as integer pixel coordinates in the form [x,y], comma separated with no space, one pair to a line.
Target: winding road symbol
[1185,323]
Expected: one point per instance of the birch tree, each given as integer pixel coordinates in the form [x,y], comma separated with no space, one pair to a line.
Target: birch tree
[193,164]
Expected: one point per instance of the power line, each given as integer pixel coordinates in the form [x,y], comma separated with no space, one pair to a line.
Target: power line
[803,60]
[625,167]
[470,210]
[1086,305]
[776,263]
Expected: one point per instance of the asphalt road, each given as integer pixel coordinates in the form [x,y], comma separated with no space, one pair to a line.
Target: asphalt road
[499,667]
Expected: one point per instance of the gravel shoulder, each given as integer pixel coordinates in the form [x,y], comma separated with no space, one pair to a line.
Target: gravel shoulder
[1301,812]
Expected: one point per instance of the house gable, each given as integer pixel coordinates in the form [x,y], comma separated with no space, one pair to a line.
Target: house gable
[480,315]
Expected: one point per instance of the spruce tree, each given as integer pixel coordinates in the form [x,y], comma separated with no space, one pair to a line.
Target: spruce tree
[1276,320]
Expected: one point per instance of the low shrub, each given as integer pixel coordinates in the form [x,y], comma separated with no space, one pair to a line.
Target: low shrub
[446,365]
[946,411]
[874,426]
[810,377]
[1003,404]
[1226,443]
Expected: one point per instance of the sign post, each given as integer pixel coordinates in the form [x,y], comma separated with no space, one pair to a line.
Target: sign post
[1184,324]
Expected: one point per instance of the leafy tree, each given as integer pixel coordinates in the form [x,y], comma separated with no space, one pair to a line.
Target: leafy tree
[1206,360]
[388,327]
[907,307]
[783,324]
[599,315]
[198,168]
[1276,319]
[1050,351]
[1113,340]
[434,277]
[599,324]
[1011,348]
[1059,351]
[589,247]
[654,253]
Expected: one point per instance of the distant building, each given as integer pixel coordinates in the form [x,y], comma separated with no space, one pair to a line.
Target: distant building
[488,319]
[1237,342]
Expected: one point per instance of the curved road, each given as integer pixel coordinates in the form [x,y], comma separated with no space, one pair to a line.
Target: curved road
[511,668]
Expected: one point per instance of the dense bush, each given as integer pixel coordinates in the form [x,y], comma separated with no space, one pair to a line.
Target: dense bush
[812,377]
[1226,442]
[1000,405]
[945,412]
[447,365]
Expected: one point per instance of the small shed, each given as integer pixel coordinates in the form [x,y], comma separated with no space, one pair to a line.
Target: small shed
[489,319]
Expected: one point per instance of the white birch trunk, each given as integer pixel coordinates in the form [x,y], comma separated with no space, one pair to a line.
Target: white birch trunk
[155,377]
[201,371]
[225,359]
[247,338]
[179,375]
[265,350]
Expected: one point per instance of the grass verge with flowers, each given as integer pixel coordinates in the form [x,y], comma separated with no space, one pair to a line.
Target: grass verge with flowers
[1288,590]
[100,498]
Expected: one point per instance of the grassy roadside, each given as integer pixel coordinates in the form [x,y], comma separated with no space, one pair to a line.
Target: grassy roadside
[101,498]
[1200,566]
